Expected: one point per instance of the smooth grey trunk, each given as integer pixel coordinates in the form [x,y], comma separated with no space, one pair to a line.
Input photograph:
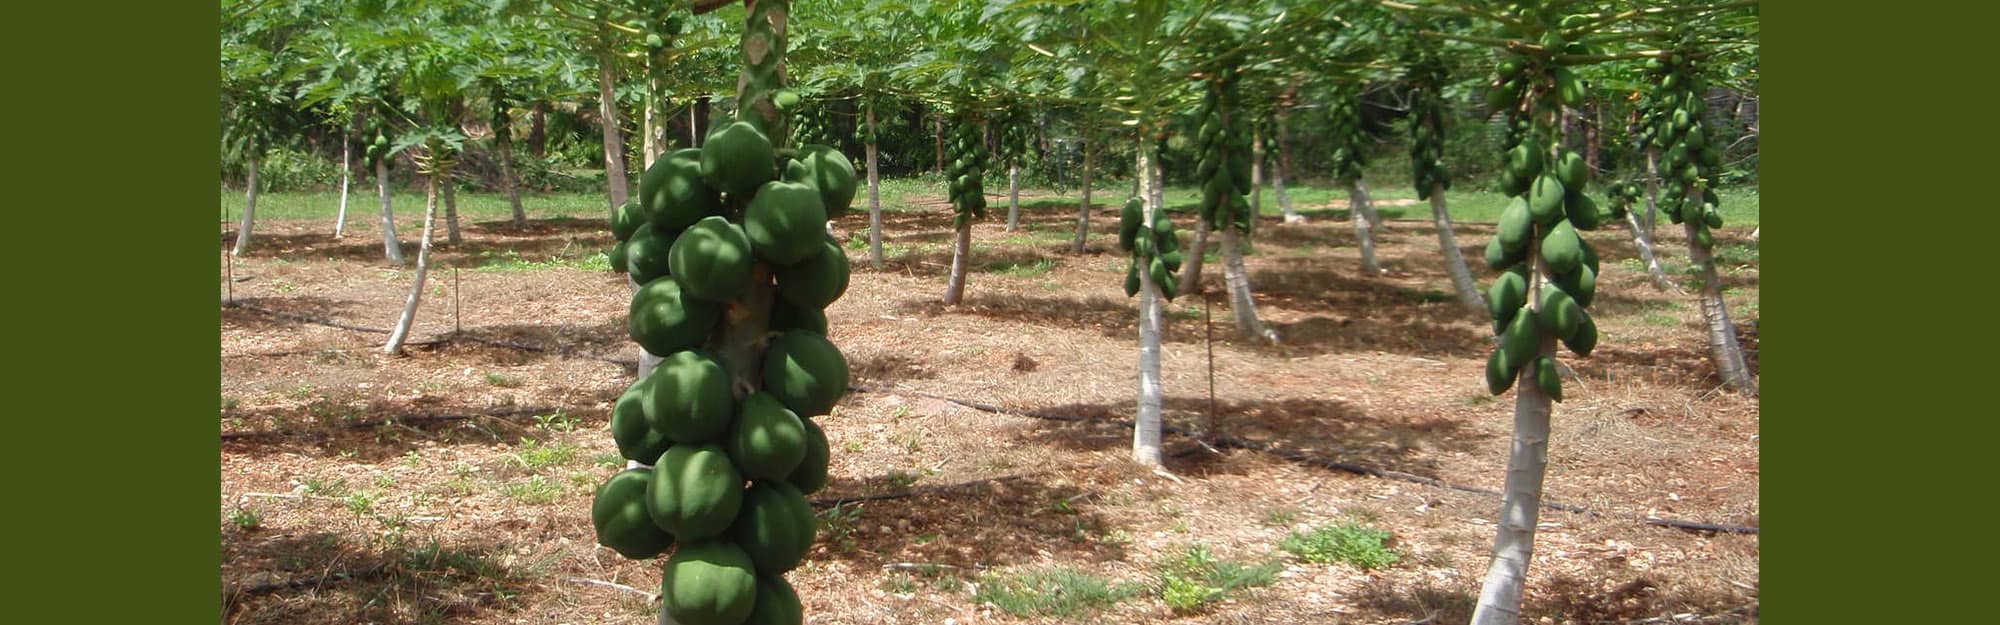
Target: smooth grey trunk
[1146,428]
[1278,172]
[1257,172]
[1191,261]
[1013,196]
[1357,202]
[249,212]
[874,197]
[1238,280]
[1652,190]
[1645,245]
[614,144]
[513,186]
[1722,345]
[451,212]
[961,255]
[655,128]
[692,107]
[409,316]
[390,247]
[1083,210]
[1454,258]
[938,126]
[1521,507]
[346,175]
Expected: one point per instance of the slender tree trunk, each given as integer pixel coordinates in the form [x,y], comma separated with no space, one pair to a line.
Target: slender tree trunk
[451,211]
[346,176]
[655,141]
[1013,196]
[693,105]
[1357,198]
[1520,510]
[874,196]
[409,316]
[1191,262]
[508,180]
[1652,190]
[1238,280]
[1722,345]
[1591,139]
[1284,167]
[616,187]
[390,247]
[1146,429]
[1083,210]
[538,128]
[938,126]
[1257,172]
[1646,253]
[249,211]
[961,255]
[1454,259]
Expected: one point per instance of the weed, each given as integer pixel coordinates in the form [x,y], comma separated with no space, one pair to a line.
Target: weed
[322,488]
[228,403]
[412,458]
[1353,543]
[1058,592]
[1280,516]
[912,441]
[1661,319]
[535,490]
[247,519]
[900,480]
[360,504]
[535,455]
[899,583]
[608,460]
[502,381]
[558,421]
[385,482]
[1019,270]
[838,524]
[853,446]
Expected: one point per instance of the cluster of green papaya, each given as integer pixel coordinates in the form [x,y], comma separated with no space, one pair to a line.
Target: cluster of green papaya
[1516,76]
[813,125]
[1427,115]
[1673,124]
[1623,195]
[968,167]
[1344,131]
[1155,247]
[1531,300]
[727,462]
[1223,143]
[379,150]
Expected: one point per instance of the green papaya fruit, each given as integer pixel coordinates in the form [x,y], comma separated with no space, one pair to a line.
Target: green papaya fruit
[673,193]
[1562,249]
[805,372]
[711,259]
[777,603]
[767,441]
[664,322]
[1582,211]
[1559,312]
[1571,170]
[810,476]
[785,222]
[1549,377]
[616,257]
[1545,200]
[1507,294]
[1517,227]
[1521,341]
[1132,284]
[632,430]
[1585,338]
[688,398]
[775,528]
[738,159]
[709,583]
[1499,376]
[649,254]
[618,515]
[817,281]
[627,220]
[1129,219]
[695,493]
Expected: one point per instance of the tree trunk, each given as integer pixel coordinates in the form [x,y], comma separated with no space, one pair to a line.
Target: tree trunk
[1256,172]
[1652,190]
[938,125]
[1238,280]
[1083,210]
[451,212]
[1284,167]
[390,247]
[409,316]
[1146,428]
[1191,261]
[1454,258]
[249,211]
[655,122]
[874,197]
[538,129]
[346,176]
[616,187]
[1013,196]
[1722,345]
[1520,510]
[961,255]
[507,179]
[1357,200]
[1645,245]
[1592,139]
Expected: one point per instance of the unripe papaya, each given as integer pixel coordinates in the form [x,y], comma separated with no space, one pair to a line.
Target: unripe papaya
[1499,376]
[785,222]
[1508,293]
[1545,200]
[776,526]
[1129,219]
[1582,211]
[695,493]
[738,159]
[649,254]
[1562,249]
[767,440]
[1516,227]
[1549,377]
[1571,170]
[673,193]
[632,431]
[709,583]
[1559,312]
[664,322]
[805,372]
[1585,338]
[618,515]
[1520,341]
[711,259]
[627,221]
[810,476]
[818,281]
[688,398]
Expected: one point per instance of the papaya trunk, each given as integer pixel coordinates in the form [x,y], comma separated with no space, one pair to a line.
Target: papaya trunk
[1357,201]
[961,253]
[249,212]
[1256,172]
[538,124]
[1083,210]
[1284,166]
[1454,258]
[1013,196]
[409,316]
[507,179]
[938,126]
[874,198]
[1191,261]
[1722,345]
[1146,428]
[1652,190]
[451,213]
[615,184]
[390,247]
[1645,245]
[1238,280]
[346,176]
[1521,507]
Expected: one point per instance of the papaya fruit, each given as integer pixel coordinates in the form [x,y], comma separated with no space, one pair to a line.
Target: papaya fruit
[1585,338]
[695,492]
[648,254]
[618,515]
[709,583]
[738,159]
[1582,211]
[673,193]
[776,526]
[805,372]
[1507,294]
[833,174]
[1498,258]
[627,220]
[711,260]
[1559,312]
[1517,227]
[1562,249]
[1545,200]
[810,476]
[1129,219]
[616,257]
[688,399]
[788,316]
[1499,376]
[632,431]
[1549,377]
[1571,170]
[767,441]
[817,281]
[1521,340]
[785,222]
[663,321]
[777,603]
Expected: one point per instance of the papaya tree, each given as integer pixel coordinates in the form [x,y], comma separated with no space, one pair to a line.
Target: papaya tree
[1427,77]
[966,190]
[1014,121]
[866,51]
[1223,171]
[737,309]
[259,109]
[1350,157]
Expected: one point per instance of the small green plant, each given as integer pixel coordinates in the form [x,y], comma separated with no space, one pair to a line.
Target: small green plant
[1280,516]
[1353,543]
[322,488]
[412,458]
[385,481]
[536,490]
[502,381]
[361,503]
[838,524]
[558,421]
[899,583]
[1058,592]
[228,403]
[900,479]
[246,519]
[535,455]
[608,459]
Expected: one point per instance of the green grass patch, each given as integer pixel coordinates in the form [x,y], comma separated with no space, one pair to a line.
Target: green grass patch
[509,261]
[1194,578]
[536,490]
[1022,269]
[1353,543]
[535,455]
[1056,592]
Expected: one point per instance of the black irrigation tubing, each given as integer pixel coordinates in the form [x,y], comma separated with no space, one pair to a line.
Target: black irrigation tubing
[420,418]
[268,588]
[447,338]
[1311,460]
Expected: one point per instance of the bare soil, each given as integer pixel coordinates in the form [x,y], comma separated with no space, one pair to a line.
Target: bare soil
[434,486]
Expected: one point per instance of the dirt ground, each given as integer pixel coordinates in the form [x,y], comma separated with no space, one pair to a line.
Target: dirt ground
[453,483]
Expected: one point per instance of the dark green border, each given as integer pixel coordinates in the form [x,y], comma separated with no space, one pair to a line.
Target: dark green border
[111,125]
[1876,480]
